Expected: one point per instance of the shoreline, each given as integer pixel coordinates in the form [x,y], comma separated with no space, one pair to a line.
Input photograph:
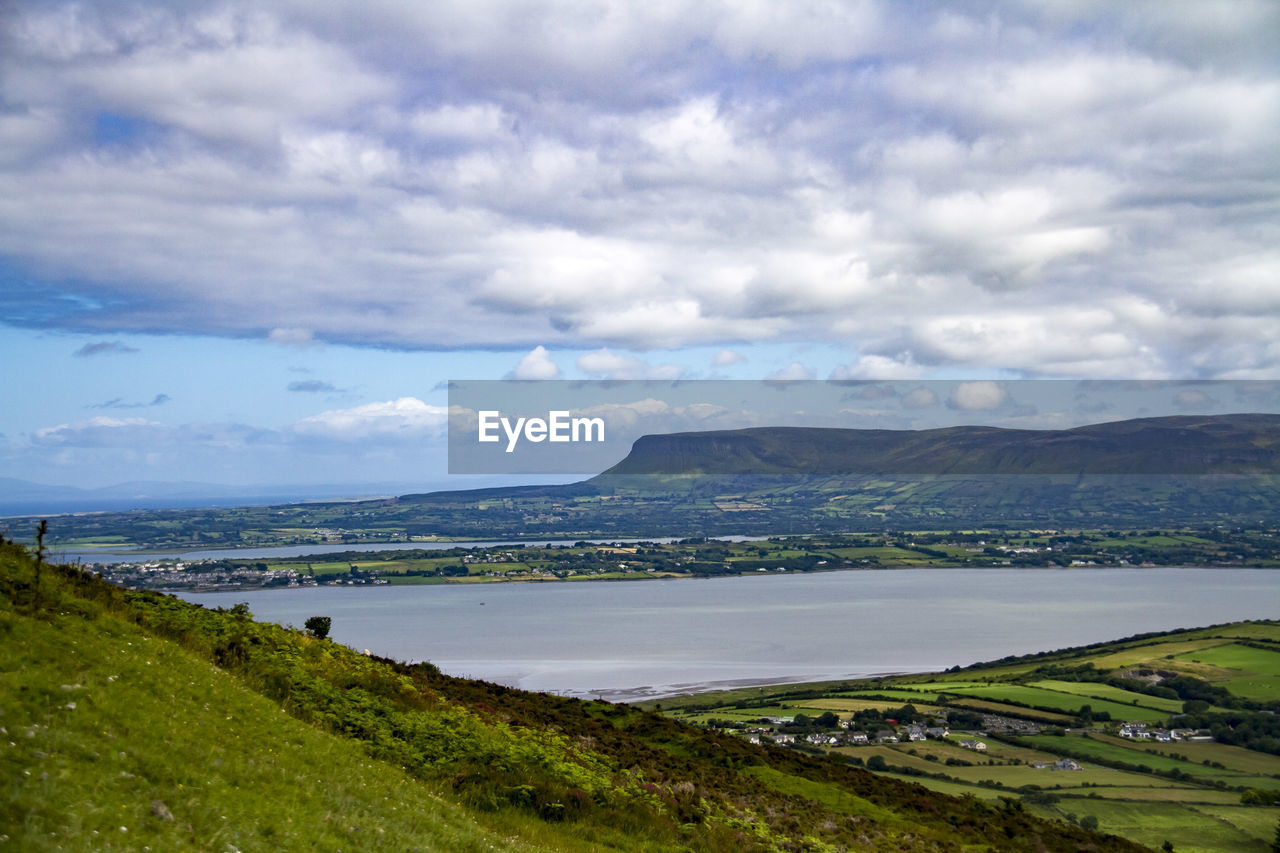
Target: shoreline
[646,693]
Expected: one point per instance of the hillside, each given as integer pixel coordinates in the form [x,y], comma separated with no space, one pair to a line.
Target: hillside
[1162,737]
[135,720]
[1225,444]
[1164,472]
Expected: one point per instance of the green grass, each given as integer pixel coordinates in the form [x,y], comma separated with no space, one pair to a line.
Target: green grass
[843,706]
[1259,669]
[1192,811]
[1114,695]
[102,721]
[906,696]
[1160,655]
[1189,829]
[1169,792]
[937,686]
[120,708]
[1247,761]
[831,796]
[1054,700]
[1111,750]
[1260,823]
[955,789]
[1236,656]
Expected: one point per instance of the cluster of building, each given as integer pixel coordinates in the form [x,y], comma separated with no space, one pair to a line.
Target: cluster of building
[1139,731]
[909,733]
[199,576]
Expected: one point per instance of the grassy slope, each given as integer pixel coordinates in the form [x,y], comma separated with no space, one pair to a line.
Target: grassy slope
[102,720]
[109,715]
[1200,811]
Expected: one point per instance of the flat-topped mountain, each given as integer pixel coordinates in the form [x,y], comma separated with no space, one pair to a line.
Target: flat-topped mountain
[1206,444]
[1193,470]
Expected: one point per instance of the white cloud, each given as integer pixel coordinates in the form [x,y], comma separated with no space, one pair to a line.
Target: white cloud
[726,357]
[1091,198]
[1193,400]
[292,337]
[475,122]
[919,398]
[406,418]
[878,367]
[97,431]
[982,396]
[793,371]
[536,364]
[611,365]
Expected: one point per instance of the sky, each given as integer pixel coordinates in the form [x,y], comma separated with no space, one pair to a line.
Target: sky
[251,243]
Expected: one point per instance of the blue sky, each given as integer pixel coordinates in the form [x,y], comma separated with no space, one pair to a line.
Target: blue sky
[247,243]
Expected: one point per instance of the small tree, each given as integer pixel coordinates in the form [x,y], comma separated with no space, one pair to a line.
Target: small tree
[318,626]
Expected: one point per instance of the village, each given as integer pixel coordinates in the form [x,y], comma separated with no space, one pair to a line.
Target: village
[831,731]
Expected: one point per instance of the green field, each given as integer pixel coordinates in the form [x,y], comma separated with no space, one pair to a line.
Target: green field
[1188,828]
[155,724]
[136,721]
[1236,656]
[893,693]
[1247,761]
[1258,669]
[1190,792]
[955,789]
[1167,792]
[1114,695]
[1115,750]
[1039,697]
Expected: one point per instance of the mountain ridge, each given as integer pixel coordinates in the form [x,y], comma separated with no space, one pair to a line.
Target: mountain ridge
[1245,444]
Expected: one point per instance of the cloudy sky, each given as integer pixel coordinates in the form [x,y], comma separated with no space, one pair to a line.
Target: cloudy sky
[250,242]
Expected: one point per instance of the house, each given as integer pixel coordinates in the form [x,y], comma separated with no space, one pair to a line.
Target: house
[858,738]
[782,740]
[1067,764]
[974,745]
[938,732]
[886,736]
[915,734]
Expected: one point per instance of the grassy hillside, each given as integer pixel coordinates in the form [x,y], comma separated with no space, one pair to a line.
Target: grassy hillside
[775,481]
[1202,771]
[132,720]
[1221,444]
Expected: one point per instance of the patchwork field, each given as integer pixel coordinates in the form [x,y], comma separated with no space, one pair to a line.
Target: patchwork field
[1113,695]
[1214,793]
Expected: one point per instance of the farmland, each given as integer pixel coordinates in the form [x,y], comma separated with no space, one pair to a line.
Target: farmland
[1151,738]
[440,562]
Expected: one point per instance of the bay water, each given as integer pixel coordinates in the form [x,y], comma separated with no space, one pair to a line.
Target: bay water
[624,640]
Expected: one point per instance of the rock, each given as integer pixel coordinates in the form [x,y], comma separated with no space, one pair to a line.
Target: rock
[160,810]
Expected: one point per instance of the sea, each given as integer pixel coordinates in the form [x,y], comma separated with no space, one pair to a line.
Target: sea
[632,640]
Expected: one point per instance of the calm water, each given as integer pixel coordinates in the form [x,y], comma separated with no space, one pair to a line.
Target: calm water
[652,638]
